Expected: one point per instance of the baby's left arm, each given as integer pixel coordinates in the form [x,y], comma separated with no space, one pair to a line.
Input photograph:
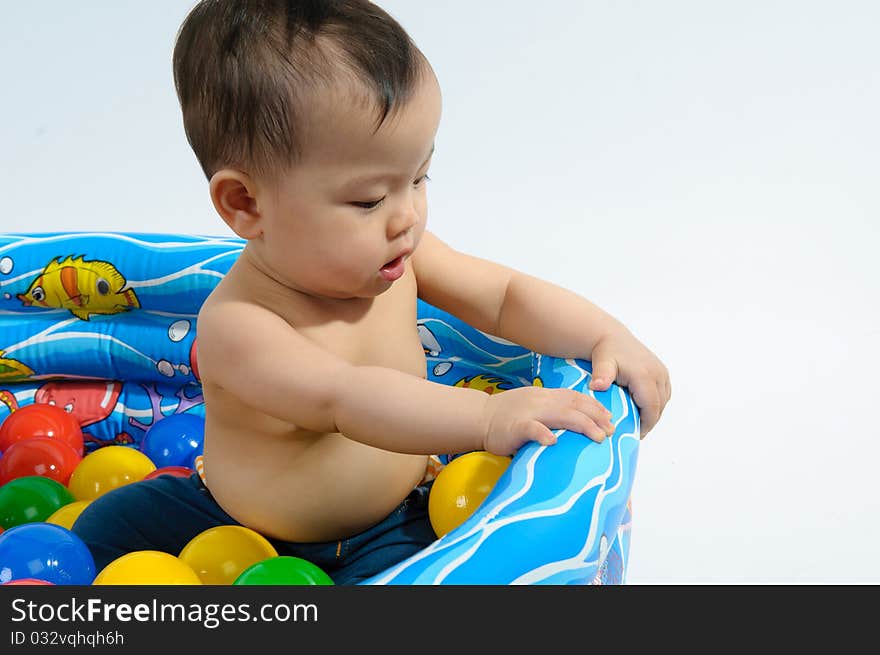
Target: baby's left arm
[542,317]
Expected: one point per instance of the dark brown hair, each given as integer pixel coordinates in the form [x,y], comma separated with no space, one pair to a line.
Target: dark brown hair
[244,71]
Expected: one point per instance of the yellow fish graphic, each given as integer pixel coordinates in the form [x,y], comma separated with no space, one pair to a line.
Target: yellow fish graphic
[82,287]
[12,369]
[488,383]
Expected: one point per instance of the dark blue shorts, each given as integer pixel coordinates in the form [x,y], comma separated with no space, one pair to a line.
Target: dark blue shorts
[166,512]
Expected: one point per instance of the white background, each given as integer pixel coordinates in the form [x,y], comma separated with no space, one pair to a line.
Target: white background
[705,171]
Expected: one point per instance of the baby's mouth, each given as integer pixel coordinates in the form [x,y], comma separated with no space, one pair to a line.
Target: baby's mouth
[394,269]
[393,262]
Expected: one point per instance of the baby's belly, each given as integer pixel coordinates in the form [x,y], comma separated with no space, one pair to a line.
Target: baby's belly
[307,487]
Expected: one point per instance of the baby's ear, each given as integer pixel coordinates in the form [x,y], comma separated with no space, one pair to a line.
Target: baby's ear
[234,196]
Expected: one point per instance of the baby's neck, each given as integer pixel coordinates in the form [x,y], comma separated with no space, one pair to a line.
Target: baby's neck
[269,287]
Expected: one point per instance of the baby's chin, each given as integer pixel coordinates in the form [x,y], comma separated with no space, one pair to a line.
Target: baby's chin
[368,292]
[323,287]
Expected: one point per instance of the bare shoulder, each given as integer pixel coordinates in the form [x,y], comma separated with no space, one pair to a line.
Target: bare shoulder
[464,285]
[249,350]
[225,307]
[231,326]
[431,253]
[434,267]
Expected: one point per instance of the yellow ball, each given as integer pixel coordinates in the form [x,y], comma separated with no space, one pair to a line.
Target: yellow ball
[66,515]
[108,468]
[147,567]
[461,486]
[219,555]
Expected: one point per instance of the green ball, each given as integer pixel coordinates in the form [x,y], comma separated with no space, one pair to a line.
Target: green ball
[31,499]
[283,570]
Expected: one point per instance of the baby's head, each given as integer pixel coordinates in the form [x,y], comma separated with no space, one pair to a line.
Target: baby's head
[314,121]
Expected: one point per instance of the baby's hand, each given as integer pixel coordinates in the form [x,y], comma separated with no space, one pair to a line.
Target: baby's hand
[620,357]
[516,416]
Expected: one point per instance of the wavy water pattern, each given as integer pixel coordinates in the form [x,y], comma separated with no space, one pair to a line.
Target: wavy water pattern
[554,515]
[473,354]
[143,346]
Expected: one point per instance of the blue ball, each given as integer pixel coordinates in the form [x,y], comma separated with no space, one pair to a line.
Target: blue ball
[47,552]
[175,440]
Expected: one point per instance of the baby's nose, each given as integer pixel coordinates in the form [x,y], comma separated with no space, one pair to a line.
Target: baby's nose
[403,221]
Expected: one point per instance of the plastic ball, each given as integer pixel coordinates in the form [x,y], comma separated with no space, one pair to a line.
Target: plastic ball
[27,581]
[108,468]
[31,499]
[67,515]
[41,420]
[47,552]
[176,471]
[46,456]
[147,567]
[219,555]
[283,570]
[193,360]
[175,440]
[461,486]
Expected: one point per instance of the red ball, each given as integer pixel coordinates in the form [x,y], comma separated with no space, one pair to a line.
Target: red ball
[176,471]
[45,456]
[28,581]
[193,360]
[41,420]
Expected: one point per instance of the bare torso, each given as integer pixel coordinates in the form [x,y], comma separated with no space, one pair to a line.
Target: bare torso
[299,485]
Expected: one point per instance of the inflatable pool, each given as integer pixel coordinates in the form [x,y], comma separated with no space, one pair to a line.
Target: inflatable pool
[103,324]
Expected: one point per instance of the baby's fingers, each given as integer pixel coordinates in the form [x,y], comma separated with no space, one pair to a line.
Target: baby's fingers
[596,411]
[647,398]
[537,431]
[577,421]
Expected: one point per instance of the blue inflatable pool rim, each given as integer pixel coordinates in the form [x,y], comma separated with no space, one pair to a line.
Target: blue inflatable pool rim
[107,321]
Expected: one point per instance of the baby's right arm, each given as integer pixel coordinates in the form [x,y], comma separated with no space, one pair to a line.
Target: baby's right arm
[283,374]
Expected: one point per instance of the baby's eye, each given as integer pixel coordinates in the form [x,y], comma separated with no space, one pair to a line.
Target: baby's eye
[423,178]
[368,204]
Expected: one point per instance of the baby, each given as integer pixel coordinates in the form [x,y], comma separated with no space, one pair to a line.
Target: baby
[314,121]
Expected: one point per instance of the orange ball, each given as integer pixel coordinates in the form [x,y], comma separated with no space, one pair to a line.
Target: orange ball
[461,486]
